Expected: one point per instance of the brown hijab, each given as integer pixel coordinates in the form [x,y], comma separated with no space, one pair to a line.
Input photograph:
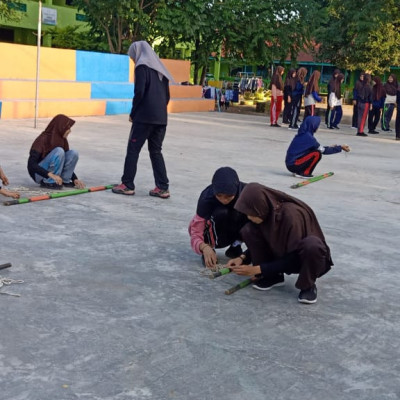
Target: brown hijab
[52,136]
[286,220]
[277,78]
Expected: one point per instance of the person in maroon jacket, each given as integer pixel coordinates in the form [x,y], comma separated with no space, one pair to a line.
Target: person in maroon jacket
[149,119]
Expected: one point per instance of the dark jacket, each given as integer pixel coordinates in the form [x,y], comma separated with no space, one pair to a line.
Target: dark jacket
[151,97]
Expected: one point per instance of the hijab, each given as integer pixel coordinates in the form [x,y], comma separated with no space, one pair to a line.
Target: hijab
[277,78]
[304,139]
[142,54]
[279,212]
[331,83]
[301,74]
[337,87]
[360,81]
[52,136]
[312,85]
[378,91]
[225,181]
[290,80]
[391,87]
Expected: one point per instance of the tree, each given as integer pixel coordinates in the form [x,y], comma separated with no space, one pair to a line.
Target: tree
[361,35]
[9,10]
[120,21]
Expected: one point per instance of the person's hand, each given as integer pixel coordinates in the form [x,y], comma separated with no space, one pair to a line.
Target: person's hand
[247,270]
[346,148]
[234,262]
[289,99]
[210,258]
[354,102]
[332,108]
[4,178]
[9,193]
[130,119]
[79,184]
[56,178]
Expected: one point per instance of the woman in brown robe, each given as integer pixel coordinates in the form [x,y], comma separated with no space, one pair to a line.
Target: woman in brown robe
[284,237]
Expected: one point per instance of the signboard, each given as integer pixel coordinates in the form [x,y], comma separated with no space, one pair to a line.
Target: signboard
[49,16]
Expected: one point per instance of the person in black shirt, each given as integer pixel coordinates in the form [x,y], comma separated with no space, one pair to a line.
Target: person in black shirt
[149,119]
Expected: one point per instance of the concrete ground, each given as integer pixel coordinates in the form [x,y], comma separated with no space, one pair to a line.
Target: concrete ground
[114,305]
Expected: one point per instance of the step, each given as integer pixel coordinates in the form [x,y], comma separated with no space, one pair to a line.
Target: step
[14,109]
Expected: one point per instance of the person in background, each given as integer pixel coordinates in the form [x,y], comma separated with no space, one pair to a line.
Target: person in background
[216,223]
[356,89]
[51,163]
[330,88]
[276,95]
[5,181]
[335,103]
[364,102]
[378,100]
[290,83]
[283,237]
[297,96]
[391,87]
[311,95]
[398,114]
[149,119]
[304,152]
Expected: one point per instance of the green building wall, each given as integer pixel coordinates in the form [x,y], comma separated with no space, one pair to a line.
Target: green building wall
[25,29]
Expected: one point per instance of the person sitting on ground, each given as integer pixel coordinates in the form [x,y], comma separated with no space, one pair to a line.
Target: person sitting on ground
[284,237]
[51,162]
[6,192]
[216,223]
[305,152]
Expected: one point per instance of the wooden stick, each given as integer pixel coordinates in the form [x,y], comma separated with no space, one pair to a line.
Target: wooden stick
[311,180]
[241,285]
[4,266]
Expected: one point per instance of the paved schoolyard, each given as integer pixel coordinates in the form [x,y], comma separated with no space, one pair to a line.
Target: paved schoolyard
[114,305]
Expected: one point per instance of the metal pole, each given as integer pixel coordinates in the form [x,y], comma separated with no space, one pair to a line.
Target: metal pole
[39,36]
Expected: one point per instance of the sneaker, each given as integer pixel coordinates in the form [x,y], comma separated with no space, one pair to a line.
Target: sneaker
[292,128]
[361,134]
[234,251]
[354,127]
[123,189]
[303,176]
[336,127]
[308,296]
[265,284]
[47,185]
[373,132]
[276,125]
[157,192]
[69,184]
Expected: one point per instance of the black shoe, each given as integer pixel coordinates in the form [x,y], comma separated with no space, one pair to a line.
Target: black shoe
[361,134]
[69,184]
[336,127]
[50,185]
[308,296]
[276,125]
[234,251]
[373,132]
[331,127]
[268,283]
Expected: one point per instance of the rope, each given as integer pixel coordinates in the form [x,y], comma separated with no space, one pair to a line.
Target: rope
[209,271]
[8,282]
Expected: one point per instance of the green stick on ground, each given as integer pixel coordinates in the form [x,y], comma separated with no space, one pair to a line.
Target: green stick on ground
[223,271]
[57,195]
[3,266]
[311,180]
[241,285]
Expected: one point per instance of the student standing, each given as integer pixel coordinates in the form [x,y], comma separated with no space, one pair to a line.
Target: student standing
[311,96]
[391,87]
[284,237]
[335,103]
[398,114]
[216,223]
[51,162]
[330,88]
[290,83]
[378,100]
[364,101]
[304,152]
[276,95]
[297,96]
[149,119]
[356,89]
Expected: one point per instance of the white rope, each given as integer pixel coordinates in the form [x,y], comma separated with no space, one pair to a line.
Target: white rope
[209,271]
[8,282]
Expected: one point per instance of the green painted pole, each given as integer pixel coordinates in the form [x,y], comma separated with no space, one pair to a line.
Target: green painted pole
[311,180]
[241,285]
[56,195]
[223,271]
[4,266]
